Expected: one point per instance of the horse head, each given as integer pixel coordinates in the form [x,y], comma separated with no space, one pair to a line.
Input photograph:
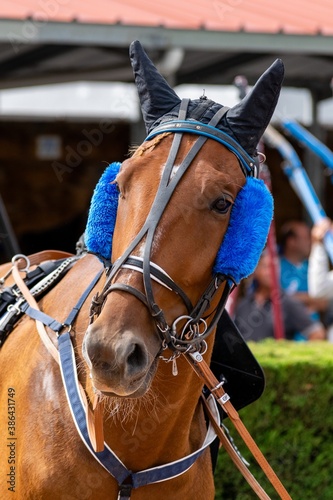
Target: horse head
[181,220]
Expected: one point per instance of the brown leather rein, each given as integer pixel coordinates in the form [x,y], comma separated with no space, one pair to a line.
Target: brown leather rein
[200,366]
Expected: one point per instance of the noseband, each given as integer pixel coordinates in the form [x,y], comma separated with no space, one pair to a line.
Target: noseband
[194,329]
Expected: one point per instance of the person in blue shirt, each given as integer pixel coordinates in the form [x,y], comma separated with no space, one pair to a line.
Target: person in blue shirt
[295,247]
[254,312]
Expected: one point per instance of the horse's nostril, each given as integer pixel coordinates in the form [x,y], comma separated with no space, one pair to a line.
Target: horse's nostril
[137,356]
[125,359]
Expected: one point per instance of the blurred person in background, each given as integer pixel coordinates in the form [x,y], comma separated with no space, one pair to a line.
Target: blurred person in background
[295,248]
[254,315]
[320,276]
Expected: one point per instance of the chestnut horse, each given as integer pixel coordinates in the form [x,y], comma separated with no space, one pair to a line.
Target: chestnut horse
[173,227]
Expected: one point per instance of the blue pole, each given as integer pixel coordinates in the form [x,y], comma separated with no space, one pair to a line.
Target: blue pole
[299,180]
[305,138]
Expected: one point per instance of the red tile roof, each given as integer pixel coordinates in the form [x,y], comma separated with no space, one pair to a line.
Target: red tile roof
[306,17]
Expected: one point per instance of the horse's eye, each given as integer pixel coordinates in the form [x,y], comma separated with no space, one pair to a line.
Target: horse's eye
[221,205]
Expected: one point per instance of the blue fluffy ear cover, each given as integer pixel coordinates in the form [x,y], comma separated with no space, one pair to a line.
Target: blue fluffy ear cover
[244,241]
[102,213]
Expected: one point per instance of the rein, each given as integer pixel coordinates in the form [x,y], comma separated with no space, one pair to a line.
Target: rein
[215,387]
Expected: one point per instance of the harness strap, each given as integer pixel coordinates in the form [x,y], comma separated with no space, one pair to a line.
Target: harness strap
[39,315]
[95,417]
[77,406]
[210,132]
[203,371]
[159,275]
[125,491]
[37,258]
[33,304]
[107,458]
[76,309]
[123,287]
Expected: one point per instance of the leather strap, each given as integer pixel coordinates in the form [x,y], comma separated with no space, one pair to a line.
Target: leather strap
[95,423]
[32,302]
[216,388]
[37,258]
[234,455]
[94,416]
[209,131]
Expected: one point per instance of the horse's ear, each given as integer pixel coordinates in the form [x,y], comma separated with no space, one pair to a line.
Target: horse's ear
[248,119]
[156,96]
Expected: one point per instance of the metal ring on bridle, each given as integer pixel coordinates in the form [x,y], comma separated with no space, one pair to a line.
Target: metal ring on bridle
[18,257]
[189,324]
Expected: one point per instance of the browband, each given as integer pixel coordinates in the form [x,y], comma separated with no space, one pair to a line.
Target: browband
[247,163]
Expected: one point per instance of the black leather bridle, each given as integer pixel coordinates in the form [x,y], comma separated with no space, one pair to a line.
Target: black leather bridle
[194,329]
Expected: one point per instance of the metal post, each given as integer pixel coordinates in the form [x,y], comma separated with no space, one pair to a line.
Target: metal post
[7,235]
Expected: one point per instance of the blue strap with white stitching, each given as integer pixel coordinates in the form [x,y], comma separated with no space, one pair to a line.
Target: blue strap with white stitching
[107,458]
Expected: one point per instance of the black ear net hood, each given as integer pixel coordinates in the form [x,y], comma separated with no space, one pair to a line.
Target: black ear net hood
[245,122]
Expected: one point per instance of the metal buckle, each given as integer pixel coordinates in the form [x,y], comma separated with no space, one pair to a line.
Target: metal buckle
[15,307]
[224,399]
[218,386]
[125,491]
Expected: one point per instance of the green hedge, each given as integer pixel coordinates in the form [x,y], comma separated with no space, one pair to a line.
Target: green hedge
[292,423]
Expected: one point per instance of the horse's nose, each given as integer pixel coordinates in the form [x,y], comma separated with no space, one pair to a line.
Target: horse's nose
[124,359]
[131,354]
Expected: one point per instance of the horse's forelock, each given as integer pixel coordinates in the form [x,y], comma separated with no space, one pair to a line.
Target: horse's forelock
[147,145]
